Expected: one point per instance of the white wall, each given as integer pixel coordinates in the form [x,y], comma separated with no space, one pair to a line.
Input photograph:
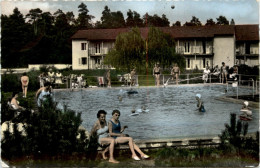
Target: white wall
[77,54]
[224,51]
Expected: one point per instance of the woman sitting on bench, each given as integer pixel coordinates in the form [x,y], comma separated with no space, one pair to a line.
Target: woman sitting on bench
[15,103]
[115,131]
[100,129]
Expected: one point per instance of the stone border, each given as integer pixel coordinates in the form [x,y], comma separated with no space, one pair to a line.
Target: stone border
[238,101]
[195,142]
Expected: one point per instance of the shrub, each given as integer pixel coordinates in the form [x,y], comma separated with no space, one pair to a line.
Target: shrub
[234,139]
[10,83]
[50,132]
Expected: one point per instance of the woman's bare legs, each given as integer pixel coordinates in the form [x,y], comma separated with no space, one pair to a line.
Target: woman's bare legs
[111,141]
[138,150]
[104,153]
[127,139]
[25,91]
[157,76]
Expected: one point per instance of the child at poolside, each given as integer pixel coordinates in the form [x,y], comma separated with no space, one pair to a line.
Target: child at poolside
[200,103]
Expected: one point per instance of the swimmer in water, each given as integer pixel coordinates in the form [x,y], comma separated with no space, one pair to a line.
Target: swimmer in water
[200,103]
[133,110]
[120,98]
[246,111]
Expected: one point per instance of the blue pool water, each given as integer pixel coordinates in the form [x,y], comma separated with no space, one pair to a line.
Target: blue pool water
[172,110]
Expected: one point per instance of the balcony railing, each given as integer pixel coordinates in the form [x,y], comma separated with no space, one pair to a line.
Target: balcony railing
[194,50]
[101,51]
[242,51]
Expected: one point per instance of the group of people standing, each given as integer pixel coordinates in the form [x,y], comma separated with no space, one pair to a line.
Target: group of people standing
[224,71]
[111,133]
[51,77]
[175,72]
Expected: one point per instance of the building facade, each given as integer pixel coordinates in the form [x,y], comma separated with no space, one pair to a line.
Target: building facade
[201,45]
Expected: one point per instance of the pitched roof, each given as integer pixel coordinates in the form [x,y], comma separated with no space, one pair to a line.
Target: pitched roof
[99,34]
[176,32]
[247,32]
[199,31]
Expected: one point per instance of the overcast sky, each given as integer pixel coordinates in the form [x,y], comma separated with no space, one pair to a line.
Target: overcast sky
[242,11]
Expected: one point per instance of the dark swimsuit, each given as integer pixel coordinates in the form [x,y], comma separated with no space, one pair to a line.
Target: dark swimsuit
[157,73]
[116,128]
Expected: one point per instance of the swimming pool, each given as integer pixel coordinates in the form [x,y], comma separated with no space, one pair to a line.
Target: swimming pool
[172,110]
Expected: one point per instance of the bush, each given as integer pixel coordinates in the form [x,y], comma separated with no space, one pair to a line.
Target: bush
[50,132]
[10,83]
[234,139]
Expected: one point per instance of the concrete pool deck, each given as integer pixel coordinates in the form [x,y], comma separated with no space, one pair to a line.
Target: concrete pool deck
[191,143]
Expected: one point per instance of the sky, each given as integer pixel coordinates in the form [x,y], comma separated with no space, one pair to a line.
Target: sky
[242,11]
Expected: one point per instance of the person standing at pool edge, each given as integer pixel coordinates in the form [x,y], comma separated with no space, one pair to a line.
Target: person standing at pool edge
[108,79]
[116,132]
[224,72]
[25,82]
[156,73]
[175,73]
[132,74]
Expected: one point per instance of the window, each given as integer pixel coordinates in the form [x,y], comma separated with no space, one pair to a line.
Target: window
[97,46]
[97,61]
[188,63]
[204,62]
[187,47]
[83,46]
[247,48]
[84,60]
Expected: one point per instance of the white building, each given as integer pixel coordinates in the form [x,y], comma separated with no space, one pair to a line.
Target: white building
[201,45]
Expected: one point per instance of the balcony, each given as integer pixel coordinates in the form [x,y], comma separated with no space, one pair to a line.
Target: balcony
[99,52]
[195,50]
[242,51]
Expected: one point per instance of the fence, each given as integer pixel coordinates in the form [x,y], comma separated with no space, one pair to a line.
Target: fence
[246,81]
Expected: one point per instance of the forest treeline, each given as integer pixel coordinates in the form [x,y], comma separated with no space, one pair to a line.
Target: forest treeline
[42,37]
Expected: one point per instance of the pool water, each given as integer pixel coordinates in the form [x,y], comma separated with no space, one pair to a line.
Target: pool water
[172,110]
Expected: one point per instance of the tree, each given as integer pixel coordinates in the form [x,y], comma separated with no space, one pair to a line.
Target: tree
[232,22]
[61,22]
[161,48]
[128,51]
[156,21]
[137,20]
[165,21]
[210,22]
[177,23]
[194,22]
[130,19]
[84,19]
[222,20]
[46,22]
[34,15]
[15,33]
[70,18]
[112,19]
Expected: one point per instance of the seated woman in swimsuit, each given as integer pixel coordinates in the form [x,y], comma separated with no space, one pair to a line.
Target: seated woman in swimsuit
[15,103]
[25,82]
[115,131]
[100,129]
